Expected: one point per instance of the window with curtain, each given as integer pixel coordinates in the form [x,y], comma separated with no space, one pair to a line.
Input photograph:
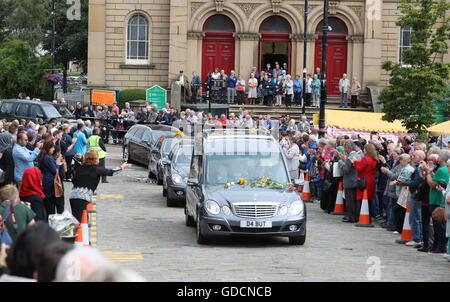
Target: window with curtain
[138,39]
[405,41]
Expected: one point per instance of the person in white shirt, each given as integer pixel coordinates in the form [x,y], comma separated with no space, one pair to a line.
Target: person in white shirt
[216,74]
[303,125]
[292,153]
[252,89]
[356,89]
[248,122]
[289,89]
[308,90]
[240,90]
[344,85]
[284,143]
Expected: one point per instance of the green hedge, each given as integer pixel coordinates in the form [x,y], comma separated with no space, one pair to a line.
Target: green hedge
[128,95]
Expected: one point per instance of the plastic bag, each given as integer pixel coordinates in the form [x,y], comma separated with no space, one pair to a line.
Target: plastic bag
[64,224]
[403,197]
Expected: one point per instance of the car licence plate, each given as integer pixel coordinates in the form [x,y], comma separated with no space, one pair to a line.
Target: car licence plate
[256,224]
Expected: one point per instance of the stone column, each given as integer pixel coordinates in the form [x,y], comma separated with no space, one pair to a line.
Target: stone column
[178,38]
[296,55]
[372,43]
[357,46]
[311,54]
[248,53]
[194,53]
[96,42]
[298,39]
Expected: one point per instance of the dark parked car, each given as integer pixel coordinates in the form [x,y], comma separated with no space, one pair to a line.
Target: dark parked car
[158,153]
[141,138]
[239,185]
[28,110]
[176,171]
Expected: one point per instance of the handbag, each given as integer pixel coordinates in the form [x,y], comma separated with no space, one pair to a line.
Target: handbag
[404,196]
[59,191]
[361,182]
[337,172]
[2,176]
[421,191]
[327,184]
[439,215]
[302,166]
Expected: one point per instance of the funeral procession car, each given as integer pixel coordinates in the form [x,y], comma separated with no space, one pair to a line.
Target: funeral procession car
[139,139]
[176,171]
[158,153]
[28,110]
[239,185]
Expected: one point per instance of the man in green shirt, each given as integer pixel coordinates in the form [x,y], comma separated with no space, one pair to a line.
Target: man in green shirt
[20,215]
[438,178]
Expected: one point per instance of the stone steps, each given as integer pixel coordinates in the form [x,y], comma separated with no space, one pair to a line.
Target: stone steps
[295,112]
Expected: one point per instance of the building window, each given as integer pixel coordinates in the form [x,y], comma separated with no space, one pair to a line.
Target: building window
[138,40]
[405,41]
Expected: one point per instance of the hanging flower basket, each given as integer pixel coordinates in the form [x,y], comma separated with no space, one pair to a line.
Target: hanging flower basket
[52,78]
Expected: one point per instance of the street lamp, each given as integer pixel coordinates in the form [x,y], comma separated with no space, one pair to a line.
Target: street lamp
[323,92]
[305,48]
[53,43]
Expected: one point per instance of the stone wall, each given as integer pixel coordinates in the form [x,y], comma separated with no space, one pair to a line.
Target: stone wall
[390,38]
[176,38]
[120,75]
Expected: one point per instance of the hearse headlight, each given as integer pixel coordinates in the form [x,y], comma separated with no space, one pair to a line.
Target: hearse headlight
[296,207]
[177,179]
[283,210]
[212,207]
[226,210]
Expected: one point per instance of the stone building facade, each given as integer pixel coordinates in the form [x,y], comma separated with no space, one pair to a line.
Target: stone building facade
[195,35]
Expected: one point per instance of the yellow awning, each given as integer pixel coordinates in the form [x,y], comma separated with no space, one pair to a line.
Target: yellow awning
[440,129]
[361,121]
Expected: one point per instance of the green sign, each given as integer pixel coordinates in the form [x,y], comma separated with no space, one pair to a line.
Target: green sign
[157,95]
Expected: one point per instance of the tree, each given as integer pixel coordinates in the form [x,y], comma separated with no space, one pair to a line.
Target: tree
[443,101]
[25,19]
[21,70]
[72,35]
[5,9]
[412,85]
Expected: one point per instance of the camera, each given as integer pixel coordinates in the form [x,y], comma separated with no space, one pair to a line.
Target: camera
[442,185]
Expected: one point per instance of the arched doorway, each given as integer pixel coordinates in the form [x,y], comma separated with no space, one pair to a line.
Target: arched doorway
[275,44]
[336,53]
[218,45]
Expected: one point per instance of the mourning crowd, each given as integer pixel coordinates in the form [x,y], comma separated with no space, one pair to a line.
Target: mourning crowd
[37,158]
[392,174]
[35,161]
[270,86]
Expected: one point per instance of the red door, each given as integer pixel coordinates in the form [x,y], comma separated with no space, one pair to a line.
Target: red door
[217,52]
[336,61]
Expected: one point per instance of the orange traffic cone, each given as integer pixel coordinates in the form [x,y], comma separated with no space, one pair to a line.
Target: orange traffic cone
[301,182]
[79,238]
[306,194]
[339,207]
[364,214]
[406,232]
[85,228]
[90,209]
